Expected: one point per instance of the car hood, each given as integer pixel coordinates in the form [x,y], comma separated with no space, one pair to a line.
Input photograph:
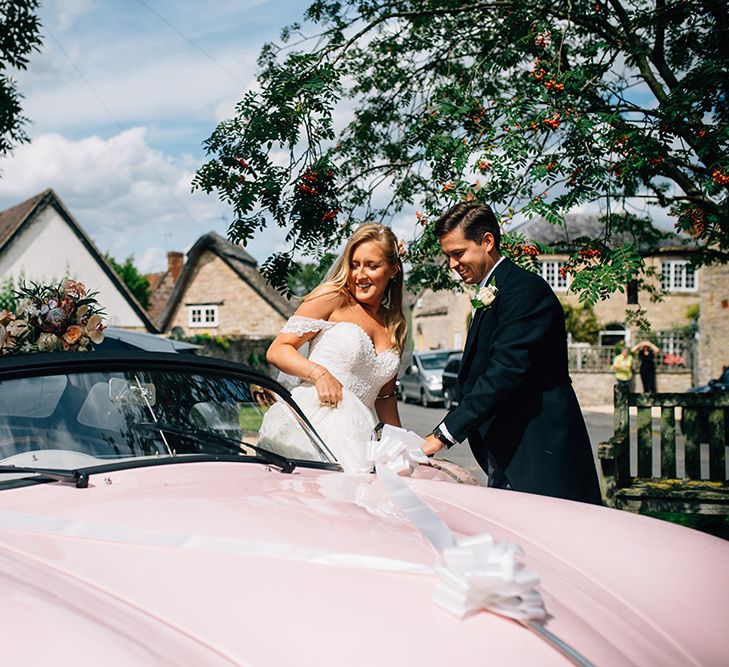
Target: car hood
[230,563]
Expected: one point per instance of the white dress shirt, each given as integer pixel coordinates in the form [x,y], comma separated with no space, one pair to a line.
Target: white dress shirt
[442,426]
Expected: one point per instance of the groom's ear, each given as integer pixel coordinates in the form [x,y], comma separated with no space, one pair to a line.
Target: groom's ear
[488,241]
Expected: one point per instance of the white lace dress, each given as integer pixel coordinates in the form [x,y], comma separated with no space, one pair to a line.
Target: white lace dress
[345,349]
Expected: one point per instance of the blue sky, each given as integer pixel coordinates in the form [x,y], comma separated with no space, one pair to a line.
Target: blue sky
[120,98]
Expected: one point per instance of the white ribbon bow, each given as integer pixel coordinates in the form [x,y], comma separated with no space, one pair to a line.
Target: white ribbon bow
[398,450]
[478,574]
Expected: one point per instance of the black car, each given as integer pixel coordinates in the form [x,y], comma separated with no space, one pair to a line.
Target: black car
[451,395]
[700,431]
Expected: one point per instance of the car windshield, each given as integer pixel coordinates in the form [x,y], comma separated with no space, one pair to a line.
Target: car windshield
[80,420]
[432,362]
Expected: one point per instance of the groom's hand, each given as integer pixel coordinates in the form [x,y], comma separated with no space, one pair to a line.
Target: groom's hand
[432,445]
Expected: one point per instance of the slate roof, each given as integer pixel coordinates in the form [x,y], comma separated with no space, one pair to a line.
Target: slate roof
[591,226]
[16,218]
[239,261]
[12,219]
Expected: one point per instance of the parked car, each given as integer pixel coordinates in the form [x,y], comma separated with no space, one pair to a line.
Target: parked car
[423,378]
[144,522]
[700,431]
[116,338]
[451,395]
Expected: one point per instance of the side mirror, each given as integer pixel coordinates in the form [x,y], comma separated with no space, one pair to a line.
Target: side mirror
[414,369]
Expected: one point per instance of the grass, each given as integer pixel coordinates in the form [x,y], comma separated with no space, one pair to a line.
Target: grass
[712,524]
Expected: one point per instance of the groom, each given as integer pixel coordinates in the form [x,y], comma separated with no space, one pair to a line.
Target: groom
[518,409]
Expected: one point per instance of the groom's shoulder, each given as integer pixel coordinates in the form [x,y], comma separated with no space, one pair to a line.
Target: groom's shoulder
[518,275]
[524,280]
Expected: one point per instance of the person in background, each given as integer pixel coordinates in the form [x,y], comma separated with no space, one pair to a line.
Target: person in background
[646,356]
[623,367]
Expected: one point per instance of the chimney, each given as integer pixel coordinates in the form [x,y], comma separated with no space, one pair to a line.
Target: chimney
[175,262]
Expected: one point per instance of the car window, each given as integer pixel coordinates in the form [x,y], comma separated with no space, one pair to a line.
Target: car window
[109,416]
[431,362]
[452,366]
[31,397]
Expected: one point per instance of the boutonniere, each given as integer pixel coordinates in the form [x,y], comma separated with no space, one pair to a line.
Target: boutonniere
[484,296]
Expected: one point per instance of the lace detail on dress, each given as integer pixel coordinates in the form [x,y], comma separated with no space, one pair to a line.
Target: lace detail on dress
[300,325]
[347,351]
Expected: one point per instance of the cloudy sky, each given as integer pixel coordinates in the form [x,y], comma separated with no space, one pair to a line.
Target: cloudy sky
[120,98]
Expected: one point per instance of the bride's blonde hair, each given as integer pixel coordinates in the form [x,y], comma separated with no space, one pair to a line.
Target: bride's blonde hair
[392,299]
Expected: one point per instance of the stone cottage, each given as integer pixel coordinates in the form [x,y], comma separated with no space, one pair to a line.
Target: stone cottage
[220,294]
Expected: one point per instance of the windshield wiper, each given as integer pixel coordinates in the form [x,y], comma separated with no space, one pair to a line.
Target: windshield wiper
[286,465]
[77,477]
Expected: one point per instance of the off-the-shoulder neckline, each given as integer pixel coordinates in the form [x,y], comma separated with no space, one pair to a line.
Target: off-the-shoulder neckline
[331,323]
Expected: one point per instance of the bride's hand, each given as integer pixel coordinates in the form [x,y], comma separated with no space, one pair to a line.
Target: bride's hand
[329,389]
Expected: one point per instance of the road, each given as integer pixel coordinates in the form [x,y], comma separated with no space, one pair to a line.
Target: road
[423,420]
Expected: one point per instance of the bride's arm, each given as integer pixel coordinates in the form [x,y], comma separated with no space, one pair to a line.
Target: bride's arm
[284,353]
[386,404]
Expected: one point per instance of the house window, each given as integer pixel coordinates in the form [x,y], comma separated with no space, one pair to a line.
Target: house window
[202,315]
[677,276]
[550,271]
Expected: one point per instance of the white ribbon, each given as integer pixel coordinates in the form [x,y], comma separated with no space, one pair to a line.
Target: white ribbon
[130,535]
[475,572]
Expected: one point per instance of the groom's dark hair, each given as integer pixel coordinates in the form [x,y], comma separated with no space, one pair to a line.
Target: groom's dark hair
[473,219]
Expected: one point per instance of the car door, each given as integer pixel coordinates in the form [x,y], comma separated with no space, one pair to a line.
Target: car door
[408,382]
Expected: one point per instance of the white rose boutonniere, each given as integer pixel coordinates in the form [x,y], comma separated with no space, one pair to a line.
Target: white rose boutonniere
[484,296]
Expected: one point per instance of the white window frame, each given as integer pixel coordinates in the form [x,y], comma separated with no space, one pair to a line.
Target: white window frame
[203,315]
[549,270]
[676,277]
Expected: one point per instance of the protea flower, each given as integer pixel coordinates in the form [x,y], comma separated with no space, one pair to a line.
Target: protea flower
[55,318]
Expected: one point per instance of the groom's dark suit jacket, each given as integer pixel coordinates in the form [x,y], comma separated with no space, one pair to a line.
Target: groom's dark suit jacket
[518,409]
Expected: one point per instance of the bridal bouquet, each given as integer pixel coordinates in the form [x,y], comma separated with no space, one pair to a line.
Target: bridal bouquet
[51,317]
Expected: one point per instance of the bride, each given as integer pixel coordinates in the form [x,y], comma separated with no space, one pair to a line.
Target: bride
[356,331]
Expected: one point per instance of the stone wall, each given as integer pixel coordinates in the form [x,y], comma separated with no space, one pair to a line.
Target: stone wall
[242,311]
[247,351]
[714,323]
[596,387]
[440,320]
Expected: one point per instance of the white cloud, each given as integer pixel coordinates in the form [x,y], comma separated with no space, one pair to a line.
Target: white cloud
[127,196]
[67,12]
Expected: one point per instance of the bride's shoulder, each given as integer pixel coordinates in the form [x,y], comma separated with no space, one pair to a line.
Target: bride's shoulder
[322,302]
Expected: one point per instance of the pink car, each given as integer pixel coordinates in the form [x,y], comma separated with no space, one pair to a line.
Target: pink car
[143,521]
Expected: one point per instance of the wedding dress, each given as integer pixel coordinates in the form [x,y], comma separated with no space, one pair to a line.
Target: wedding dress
[348,353]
